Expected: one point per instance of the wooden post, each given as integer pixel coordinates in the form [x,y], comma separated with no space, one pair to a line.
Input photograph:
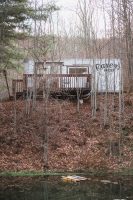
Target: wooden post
[5,75]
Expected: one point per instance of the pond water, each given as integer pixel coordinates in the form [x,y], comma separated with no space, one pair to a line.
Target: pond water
[56,189]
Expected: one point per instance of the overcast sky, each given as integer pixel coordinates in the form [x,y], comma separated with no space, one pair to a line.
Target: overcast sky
[67,9]
[66,3]
[66,18]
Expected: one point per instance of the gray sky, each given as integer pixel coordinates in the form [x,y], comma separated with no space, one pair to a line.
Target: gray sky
[69,8]
[67,3]
[67,18]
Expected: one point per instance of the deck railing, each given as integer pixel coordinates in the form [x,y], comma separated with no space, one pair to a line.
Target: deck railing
[57,81]
[17,86]
[53,82]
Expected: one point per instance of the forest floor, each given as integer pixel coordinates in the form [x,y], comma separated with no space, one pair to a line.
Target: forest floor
[76,141]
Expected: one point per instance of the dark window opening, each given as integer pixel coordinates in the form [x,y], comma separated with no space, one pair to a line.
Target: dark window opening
[78,70]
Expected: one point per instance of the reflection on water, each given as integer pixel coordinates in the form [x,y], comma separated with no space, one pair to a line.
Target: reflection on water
[57,190]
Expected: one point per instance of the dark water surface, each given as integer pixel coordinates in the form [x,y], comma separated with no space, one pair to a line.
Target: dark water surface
[53,188]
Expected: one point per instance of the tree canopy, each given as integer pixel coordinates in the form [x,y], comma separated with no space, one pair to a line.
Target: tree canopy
[14,16]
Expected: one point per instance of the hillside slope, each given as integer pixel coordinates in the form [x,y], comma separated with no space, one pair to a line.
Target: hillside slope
[76,141]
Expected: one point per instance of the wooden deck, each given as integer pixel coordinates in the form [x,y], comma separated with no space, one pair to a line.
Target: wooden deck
[17,87]
[55,83]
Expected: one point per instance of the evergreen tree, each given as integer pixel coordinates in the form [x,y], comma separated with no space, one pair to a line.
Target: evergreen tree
[14,16]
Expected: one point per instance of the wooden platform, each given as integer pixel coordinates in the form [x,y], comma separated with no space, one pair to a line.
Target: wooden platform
[59,84]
